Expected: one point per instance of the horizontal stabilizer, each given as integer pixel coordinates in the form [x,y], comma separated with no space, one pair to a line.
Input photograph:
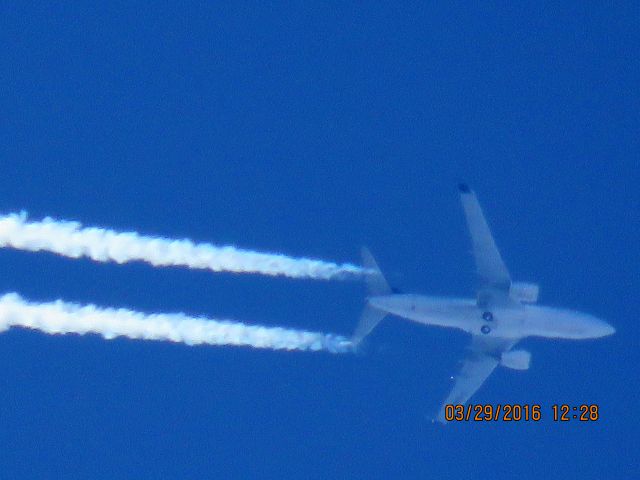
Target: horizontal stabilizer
[368,320]
[376,283]
[376,286]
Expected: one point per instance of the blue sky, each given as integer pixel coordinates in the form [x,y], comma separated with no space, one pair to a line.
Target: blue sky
[313,129]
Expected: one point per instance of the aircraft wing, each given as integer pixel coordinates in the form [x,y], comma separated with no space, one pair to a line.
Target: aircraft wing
[492,272]
[483,357]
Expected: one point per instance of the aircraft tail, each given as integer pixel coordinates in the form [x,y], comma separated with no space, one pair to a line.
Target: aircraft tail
[376,283]
[376,286]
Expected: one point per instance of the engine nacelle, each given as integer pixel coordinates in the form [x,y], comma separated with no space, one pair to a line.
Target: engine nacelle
[516,359]
[524,292]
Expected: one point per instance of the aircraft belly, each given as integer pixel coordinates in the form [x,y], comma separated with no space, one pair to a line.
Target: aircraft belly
[506,323]
[460,313]
[464,317]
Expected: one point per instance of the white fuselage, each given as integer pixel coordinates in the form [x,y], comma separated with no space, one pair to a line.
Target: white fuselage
[511,321]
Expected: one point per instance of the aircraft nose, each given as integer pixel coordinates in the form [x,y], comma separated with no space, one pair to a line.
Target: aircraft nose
[603,329]
[608,329]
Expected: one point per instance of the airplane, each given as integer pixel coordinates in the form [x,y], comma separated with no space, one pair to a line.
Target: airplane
[502,314]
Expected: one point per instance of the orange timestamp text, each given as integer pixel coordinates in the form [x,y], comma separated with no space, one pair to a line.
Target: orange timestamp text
[492,413]
[519,413]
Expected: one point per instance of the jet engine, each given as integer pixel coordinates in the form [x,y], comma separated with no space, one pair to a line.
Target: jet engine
[524,292]
[516,359]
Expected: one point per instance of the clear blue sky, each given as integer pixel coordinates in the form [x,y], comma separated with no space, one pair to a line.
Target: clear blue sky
[312,129]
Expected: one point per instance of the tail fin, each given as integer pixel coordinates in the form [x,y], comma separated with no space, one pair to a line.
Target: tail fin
[376,285]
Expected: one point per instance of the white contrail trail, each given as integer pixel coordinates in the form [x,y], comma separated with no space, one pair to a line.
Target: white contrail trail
[71,239]
[61,317]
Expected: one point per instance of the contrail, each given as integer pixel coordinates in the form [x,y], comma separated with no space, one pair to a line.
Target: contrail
[71,239]
[61,317]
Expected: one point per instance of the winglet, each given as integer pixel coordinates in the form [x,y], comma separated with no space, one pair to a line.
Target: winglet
[464,188]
